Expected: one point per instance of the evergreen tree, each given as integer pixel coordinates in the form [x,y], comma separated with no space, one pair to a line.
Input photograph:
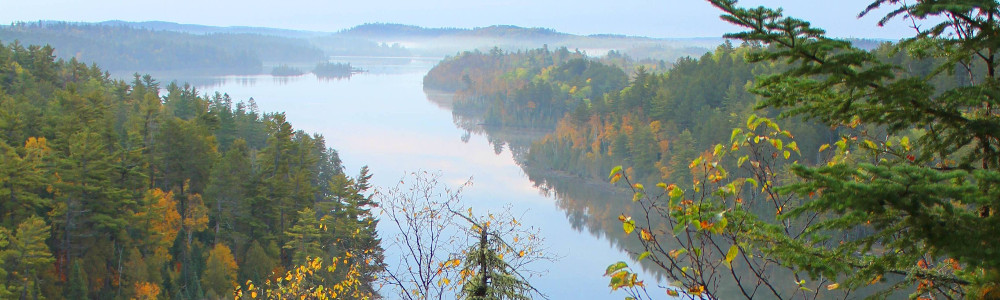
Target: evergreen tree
[304,238]
[30,257]
[77,288]
[491,277]
[4,253]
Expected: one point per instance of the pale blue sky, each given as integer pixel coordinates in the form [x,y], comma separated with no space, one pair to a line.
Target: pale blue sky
[654,18]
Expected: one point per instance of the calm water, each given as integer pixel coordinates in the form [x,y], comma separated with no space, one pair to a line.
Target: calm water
[383,119]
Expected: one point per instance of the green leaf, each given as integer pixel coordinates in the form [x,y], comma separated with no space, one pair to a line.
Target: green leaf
[905,141]
[695,163]
[786,154]
[750,122]
[731,255]
[752,181]
[662,185]
[643,256]
[871,145]
[676,193]
[628,226]
[736,132]
[679,228]
[794,146]
[615,267]
[614,171]
[742,160]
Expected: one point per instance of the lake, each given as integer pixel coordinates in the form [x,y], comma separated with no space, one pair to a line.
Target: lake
[385,120]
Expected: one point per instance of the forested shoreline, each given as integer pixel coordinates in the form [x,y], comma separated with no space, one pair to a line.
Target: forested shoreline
[111,190]
[716,202]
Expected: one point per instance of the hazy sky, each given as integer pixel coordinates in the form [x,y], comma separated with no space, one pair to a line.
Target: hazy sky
[654,18]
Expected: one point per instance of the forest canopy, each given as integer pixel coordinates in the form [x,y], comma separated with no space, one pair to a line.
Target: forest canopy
[115,189]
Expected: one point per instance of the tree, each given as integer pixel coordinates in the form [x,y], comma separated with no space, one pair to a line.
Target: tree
[309,281]
[351,226]
[884,212]
[4,290]
[22,177]
[421,213]
[304,237]
[30,257]
[220,272]
[77,288]
[485,273]
[438,255]
[228,186]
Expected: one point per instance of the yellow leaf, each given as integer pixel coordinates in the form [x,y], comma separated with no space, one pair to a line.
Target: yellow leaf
[730,255]
[697,290]
[645,235]
[833,286]
[824,147]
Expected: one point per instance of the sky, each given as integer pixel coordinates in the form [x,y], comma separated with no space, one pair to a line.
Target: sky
[651,18]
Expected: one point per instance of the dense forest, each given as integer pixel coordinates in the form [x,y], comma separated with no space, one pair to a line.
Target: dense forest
[131,190]
[614,110]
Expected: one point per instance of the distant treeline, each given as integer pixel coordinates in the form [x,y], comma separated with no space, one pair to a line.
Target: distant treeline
[122,48]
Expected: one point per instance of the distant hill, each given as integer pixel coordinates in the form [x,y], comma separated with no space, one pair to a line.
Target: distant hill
[396,30]
[448,41]
[124,47]
[167,46]
[205,29]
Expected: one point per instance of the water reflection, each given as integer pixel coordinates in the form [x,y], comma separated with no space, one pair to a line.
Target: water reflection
[590,206]
[383,119]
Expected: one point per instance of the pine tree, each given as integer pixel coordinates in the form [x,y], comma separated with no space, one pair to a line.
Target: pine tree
[30,257]
[5,293]
[925,203]
[226,190]
[487,276]
[304,238]
[77,288]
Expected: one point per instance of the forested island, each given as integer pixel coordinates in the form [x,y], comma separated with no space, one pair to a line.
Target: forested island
[335,70]
[286,70]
